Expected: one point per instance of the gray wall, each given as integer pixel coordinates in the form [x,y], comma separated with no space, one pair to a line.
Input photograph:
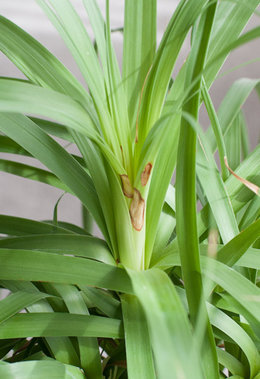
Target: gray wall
[30,199]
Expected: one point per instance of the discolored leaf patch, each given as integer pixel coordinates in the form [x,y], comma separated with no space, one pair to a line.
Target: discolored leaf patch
[137,208]
[126,185]
[145,175]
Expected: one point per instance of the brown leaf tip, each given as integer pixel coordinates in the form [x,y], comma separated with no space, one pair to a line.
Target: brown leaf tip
[146,174]
[126,185]
[253,187]
[137,208]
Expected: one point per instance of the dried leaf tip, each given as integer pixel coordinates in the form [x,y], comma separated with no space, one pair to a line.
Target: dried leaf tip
[126,185]
[137,208]
[253,187]
[145,175]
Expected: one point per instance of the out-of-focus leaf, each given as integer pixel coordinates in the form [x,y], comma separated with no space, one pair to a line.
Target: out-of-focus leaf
[18,226]
[40,370]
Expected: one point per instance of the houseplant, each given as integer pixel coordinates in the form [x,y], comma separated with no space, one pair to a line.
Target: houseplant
[169,292]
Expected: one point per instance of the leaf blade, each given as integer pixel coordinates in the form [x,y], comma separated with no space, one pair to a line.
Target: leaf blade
[33,265]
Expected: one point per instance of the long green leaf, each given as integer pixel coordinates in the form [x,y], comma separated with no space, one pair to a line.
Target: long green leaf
[233,143]
[231,363]
[139,49]
[170,258]
[251,213]
[17,301]
[213,186]
[95,163]
[186,221]
[232,331]
[59,325]
[243,291]
[26,98]
[59,347]
[161,177]
[7,145]
[104,301]
[36,62]
[17,226]
[117,101]
[229,304]
[98,25]
[88,347]
[251,259]
[50,153]
[184,16]
[40,370]
[217,130]
[41,266]
[248,169]
[68,23]
[166,225]
[138,347]
[32,173]
[53,128]
[163,307]
[19,97]
[233,251]
[79,245]
[227,325]
[238,193]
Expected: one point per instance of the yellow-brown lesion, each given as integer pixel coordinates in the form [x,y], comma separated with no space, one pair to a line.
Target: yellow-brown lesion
[145,175]
[137,210]
[127,186]
[137,206]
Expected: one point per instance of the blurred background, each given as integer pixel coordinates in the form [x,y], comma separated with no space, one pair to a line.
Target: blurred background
[27,198]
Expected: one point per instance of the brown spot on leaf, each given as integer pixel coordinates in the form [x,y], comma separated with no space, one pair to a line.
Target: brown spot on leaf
[137,208]
[146,174]
[126,185]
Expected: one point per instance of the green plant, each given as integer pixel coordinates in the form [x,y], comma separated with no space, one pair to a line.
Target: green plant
[95,306]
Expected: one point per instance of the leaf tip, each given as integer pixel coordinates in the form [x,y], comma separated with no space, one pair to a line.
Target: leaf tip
[253,187]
